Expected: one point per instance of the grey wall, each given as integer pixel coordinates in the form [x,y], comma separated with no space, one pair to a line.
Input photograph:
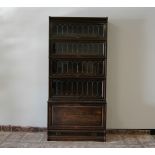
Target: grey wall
[24,65]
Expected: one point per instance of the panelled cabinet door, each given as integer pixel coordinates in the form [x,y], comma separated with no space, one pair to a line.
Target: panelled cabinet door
[77,78]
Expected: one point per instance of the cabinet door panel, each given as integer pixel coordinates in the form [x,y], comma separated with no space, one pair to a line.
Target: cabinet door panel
[77,115]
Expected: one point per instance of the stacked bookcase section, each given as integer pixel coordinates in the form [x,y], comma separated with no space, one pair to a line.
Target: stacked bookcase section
[77,78]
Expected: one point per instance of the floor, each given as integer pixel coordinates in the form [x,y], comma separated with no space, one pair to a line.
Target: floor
[38,140]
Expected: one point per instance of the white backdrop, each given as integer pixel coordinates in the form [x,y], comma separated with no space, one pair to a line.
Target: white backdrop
[24,65]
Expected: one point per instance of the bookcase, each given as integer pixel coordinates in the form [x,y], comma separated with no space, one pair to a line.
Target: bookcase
[77,78]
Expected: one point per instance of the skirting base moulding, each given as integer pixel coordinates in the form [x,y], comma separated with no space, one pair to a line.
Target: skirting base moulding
[12,128]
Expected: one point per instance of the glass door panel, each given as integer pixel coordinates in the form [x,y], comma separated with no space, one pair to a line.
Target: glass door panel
[72,48]
[78,29]
[77,88]
[77,67]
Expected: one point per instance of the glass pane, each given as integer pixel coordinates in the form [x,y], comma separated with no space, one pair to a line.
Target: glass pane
[80,51]
[94,50]
[58,48]
[54,29]
[65,67]
[89,49]
[69,51]
[54,88]
[65,27]
[94,88]
[100,68]
[59,88]
[79,67]
[70,67]
[74,67]
[85,88]
[90,28]
[96,30]
[64,48]
[59,29]
[79,88]
[79,29]
[74,29]
[74,88]
[105,30]
[85,49]
[90,89]
[69,83]
[78,48]
[70,29]
[74,48]
[64,88]
[99,88]
[83,30]
[52,47]
[84,67]
[59,67]
[95,68]
[101,30]
[90,67]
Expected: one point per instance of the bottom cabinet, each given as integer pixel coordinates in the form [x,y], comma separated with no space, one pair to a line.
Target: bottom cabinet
[74,122]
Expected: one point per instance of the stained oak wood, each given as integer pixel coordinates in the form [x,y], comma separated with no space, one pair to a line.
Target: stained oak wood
[77,115]
[77,78]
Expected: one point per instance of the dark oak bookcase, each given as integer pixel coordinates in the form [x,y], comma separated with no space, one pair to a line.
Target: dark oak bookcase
[77,78]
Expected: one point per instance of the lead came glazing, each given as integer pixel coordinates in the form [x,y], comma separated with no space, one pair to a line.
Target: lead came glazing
[78,67]
[83,88]
[93,30]
[78,48]
[77,87]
